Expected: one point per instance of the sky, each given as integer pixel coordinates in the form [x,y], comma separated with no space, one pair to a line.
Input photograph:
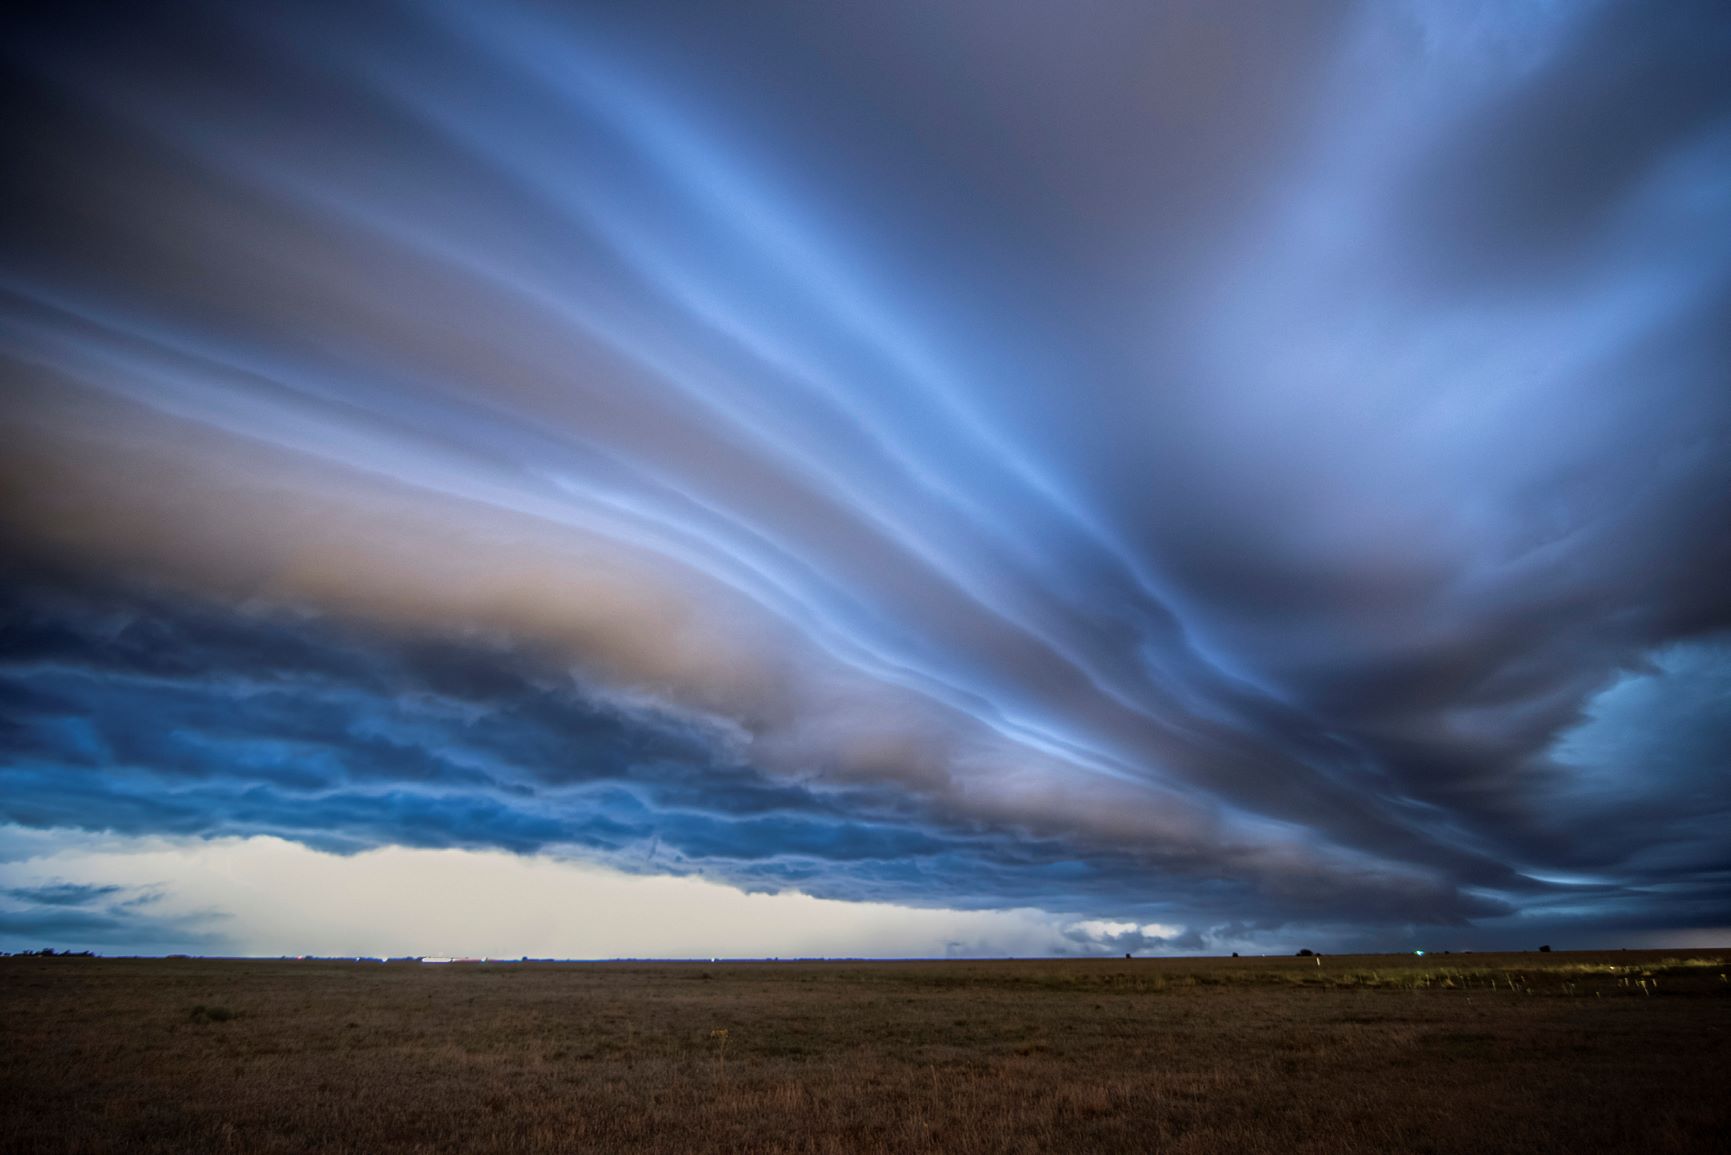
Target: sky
[787,479]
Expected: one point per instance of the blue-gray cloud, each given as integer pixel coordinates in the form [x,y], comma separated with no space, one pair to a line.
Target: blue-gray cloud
[104,916]
[64,893]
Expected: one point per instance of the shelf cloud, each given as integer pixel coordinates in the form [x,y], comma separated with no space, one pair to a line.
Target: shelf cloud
[1202,476]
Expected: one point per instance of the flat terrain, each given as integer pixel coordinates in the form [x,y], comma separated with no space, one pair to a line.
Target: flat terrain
[1625,1051]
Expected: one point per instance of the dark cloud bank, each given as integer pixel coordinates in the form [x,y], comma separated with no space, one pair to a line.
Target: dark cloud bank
[1266,472]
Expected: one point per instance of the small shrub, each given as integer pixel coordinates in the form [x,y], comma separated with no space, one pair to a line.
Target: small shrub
[204,1014]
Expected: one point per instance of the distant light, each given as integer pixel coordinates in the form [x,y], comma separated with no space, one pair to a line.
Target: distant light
[1419,952]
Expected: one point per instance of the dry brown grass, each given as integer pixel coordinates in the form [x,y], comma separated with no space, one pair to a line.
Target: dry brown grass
[1529,1053]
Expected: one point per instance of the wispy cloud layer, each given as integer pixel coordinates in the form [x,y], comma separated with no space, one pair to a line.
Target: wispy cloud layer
[1249,469]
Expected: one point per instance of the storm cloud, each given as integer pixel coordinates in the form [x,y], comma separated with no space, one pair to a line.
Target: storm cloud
[1201,471]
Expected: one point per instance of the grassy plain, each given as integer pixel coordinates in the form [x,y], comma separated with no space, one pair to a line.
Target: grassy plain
[1624,1051]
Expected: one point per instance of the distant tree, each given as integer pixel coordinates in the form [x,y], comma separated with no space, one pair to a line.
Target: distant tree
[1305,953]
[1544,950]
[1234,954]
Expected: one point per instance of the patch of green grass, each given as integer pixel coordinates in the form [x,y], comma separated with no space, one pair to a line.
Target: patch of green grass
[204,1014]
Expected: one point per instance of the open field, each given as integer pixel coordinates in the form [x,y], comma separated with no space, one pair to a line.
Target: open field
[1532,1052]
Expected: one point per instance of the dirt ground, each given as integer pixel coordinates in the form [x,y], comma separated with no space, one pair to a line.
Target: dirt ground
[1622,1051]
